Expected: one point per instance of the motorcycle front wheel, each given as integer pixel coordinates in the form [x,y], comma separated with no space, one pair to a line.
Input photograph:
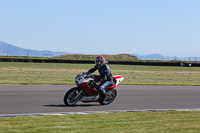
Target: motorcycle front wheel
[110,96]
[71,98]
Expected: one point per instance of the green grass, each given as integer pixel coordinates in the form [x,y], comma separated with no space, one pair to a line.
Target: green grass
[139,122]
[64,73]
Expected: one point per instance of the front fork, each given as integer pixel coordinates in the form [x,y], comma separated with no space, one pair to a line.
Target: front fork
[78,94]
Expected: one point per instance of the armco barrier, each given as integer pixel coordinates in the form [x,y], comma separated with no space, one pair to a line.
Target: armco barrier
[50,60]
[44,60]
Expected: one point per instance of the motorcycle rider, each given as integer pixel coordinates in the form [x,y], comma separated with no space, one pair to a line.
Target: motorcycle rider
[105,75]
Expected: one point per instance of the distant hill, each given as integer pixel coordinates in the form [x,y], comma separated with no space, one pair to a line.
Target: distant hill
[154,57]
[11,50]
[119,57]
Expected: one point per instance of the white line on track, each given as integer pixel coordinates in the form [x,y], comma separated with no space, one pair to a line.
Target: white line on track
[89,112]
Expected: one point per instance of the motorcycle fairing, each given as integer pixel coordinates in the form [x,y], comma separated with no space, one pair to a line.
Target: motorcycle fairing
[83,83]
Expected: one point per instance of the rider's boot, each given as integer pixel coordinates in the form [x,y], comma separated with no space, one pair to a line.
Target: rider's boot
[102,95]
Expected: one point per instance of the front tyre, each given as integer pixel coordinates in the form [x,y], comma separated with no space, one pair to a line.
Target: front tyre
[110,96]
[71,98]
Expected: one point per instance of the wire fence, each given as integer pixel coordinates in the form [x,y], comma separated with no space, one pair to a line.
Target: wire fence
[29,54]
[169,58]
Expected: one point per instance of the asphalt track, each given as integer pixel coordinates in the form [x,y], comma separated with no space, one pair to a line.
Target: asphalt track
[23,99]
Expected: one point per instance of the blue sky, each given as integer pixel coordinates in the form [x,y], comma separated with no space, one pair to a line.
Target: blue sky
[167,27]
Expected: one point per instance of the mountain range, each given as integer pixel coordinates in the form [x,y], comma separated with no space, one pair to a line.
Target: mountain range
[11,50]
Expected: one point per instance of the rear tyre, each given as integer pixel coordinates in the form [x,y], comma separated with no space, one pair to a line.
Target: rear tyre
[110,96]
[71,98]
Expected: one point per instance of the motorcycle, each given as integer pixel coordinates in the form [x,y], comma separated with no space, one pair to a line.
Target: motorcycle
[86,91]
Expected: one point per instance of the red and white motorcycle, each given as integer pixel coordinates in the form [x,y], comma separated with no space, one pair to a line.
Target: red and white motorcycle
[86,91]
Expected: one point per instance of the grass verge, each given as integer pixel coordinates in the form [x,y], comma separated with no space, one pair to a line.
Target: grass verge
[64,73]
[140,122]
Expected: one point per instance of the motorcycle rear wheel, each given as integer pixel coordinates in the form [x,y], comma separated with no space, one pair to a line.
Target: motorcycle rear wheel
[110,96]
[70,97]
